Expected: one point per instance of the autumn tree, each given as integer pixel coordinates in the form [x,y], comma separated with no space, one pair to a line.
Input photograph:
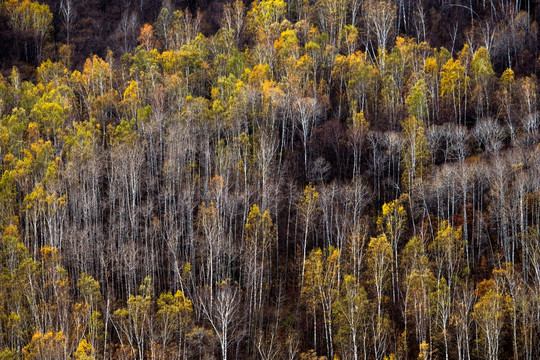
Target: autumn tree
[358,127]
[506,96]
[133,322]
[46,346]
[482,82]
[259,237]
[30,19]
[146,37]
[489,313]
[352,318]
[392,223]
[84,351]
[447,250]
[379,259]
[174,317]
[454,85]
[321,288]
[416,286]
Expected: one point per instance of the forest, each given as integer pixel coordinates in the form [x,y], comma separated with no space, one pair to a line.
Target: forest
[269,179]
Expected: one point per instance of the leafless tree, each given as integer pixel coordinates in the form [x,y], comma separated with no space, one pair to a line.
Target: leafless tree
[308,110]
[233,17]
[380,17]
[222,312]
[489,133]
[128,28]
[69,14]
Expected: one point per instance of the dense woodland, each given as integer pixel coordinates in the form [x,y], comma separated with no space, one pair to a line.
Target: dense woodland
[339,179]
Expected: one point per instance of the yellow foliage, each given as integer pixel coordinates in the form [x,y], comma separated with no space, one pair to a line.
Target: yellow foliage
[11,230]
[491,309]
[263,14]
[359,120]
[48,346]
[132,91]
[29,16]
[452,78]
[146,37]
[393,219]
[50,255]
[258,74]
[424,351]
[84,351]
[287,44]
[507,77]
[430,66]
[95,77]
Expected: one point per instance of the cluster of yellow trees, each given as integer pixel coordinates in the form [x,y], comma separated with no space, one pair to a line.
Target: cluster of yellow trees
[301,184]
